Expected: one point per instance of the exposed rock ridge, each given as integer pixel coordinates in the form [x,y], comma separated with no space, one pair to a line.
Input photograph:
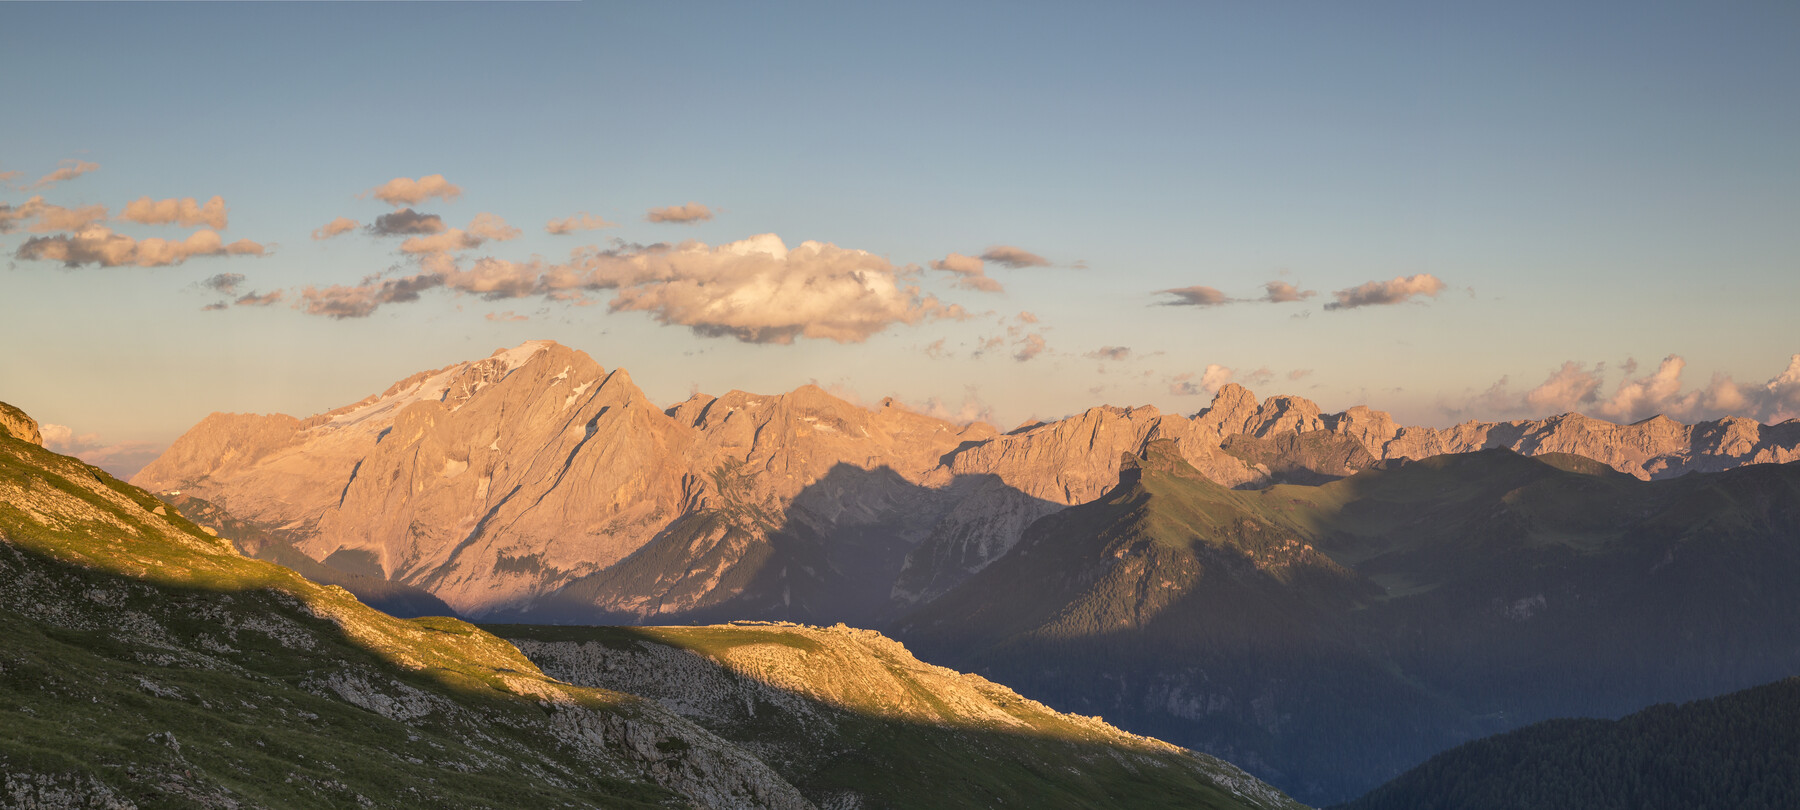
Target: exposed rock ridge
[498,483]
[15,423]
[749,680]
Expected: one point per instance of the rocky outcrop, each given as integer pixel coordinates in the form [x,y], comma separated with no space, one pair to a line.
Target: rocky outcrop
[15,423]
[808,699]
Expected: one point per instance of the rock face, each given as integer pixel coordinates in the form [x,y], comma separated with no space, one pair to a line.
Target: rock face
[854,720]
[537,485]
[14,423]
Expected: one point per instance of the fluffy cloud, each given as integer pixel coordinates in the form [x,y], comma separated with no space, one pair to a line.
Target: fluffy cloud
[402,191]
[122,459]
[50,218]
[1567,389]
[1208,381]
[970,271]
[1195,297]
[583,221]
[1015,258]
[406,222]
[680,214]
[69,170]
[98,245]
[185,211]
[506,317]
[1394,291]
[755,290]
[341,225]
[1281,292]
[1110,353]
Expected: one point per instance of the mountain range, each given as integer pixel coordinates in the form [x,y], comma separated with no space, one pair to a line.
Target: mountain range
[1323,599]
[144,662]
[536,485]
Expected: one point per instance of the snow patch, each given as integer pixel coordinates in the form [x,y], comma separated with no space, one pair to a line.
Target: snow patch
[576,393]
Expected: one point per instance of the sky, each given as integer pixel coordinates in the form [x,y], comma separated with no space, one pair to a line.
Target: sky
[998,211]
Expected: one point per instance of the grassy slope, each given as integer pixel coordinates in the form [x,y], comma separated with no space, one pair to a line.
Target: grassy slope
[843,712]
[145,661]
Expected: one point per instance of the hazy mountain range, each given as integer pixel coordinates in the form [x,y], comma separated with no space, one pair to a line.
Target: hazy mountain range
[535,484]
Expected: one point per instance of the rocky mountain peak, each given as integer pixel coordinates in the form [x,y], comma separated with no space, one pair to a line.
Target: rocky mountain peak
[15,423]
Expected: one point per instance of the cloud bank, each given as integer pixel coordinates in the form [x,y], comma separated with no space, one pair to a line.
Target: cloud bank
[185,211]
[756,290]
[98,245]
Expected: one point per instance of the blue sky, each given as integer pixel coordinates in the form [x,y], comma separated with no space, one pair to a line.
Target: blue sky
[1607,186]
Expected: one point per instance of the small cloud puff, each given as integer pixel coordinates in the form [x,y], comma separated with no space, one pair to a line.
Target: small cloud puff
[1394,291]
[1015,258]
[341,225]
[1281,292]
[1114,353]
[1196,296]
[406,222]
[1030,347]
[970,271]
[69,170]
[583,221]
[688,214]
[402,191]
